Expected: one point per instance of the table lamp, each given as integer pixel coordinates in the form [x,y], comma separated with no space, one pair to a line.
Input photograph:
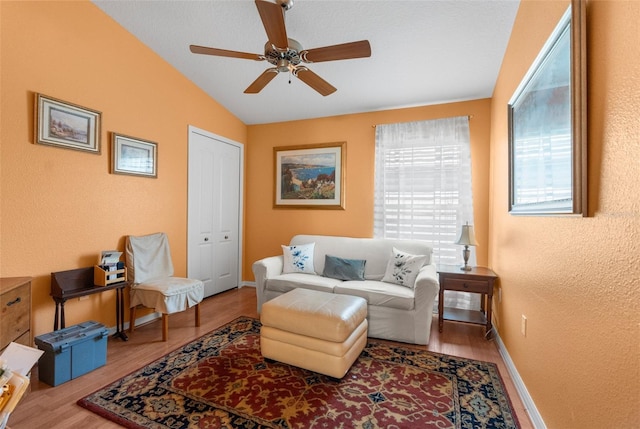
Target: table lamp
[467,238]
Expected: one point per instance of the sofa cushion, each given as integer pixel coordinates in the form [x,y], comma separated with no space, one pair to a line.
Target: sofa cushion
[298,258]
[343,269]
[403,268]
[286,282]
[379,293]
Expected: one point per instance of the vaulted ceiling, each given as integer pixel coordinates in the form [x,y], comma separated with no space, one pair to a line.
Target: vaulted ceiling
[422,51]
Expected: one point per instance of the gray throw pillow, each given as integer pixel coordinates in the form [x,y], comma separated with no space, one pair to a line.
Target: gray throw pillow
[343,269]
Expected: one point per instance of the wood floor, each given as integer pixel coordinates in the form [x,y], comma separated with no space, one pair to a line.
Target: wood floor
[55,407]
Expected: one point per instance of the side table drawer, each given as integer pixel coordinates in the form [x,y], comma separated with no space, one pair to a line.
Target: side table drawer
[15,313]
[475,286]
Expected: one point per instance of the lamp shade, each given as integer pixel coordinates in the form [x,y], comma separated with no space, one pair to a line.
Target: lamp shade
[467,237]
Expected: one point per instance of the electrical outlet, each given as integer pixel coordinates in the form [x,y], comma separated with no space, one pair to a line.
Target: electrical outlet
[82,298]
[499,294]
[523,326]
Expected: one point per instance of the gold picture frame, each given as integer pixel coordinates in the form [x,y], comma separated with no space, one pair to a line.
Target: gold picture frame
[66,125]
[133,156]
[310,176]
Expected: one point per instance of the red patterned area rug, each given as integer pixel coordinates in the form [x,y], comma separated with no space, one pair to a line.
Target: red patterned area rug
[222,381]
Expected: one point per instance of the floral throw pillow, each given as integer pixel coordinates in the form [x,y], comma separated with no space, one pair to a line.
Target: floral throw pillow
[298,258]
[403,268]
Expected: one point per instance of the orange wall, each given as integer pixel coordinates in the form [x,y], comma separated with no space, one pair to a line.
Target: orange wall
[61,207]
[576,279]
[267,228]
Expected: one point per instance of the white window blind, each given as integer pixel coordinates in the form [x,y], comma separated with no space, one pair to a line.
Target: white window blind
[423,185]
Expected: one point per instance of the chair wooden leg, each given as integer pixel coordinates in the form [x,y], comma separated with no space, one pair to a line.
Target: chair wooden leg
[132,319]
[165,327]
[198,314]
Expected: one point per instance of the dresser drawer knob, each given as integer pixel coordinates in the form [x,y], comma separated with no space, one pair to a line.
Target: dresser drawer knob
[465,285]
[15,301]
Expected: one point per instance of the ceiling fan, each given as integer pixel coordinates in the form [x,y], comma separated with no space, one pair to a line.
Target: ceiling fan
[287,55]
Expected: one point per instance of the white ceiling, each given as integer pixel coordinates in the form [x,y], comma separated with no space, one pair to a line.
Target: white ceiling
[422,51]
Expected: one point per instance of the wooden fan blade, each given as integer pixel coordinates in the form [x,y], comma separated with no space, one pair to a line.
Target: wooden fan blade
[224,53]
[314,81]
[345,51]
[272,16]
[261,81]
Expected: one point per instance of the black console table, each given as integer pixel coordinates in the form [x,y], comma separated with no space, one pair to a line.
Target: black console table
[80,282]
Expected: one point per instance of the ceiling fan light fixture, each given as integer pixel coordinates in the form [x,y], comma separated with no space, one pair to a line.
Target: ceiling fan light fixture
[275,55]
[283,65]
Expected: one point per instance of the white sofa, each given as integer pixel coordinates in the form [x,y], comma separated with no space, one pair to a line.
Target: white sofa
[395,312]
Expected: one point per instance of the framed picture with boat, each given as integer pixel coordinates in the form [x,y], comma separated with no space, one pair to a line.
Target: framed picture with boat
[310,176]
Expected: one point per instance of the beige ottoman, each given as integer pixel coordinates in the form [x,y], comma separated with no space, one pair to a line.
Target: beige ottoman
[318,331]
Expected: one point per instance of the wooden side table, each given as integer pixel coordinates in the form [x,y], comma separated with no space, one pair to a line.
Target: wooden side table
[477,280]
[80,282]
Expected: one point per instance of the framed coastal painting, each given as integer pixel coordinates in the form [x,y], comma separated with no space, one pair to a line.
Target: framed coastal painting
[66,125]
[310,176]
[134,156]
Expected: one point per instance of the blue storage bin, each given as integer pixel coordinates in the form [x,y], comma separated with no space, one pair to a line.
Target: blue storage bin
[72,352]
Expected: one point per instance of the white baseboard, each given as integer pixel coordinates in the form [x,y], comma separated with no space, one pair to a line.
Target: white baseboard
[139,321]
[146,319]
[153,316]
[529,406]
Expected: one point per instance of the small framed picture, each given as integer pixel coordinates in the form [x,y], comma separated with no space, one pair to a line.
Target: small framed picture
[66,125]
[131,155]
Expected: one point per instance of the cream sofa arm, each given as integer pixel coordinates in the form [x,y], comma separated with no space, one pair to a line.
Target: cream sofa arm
[265,269]
[427,287]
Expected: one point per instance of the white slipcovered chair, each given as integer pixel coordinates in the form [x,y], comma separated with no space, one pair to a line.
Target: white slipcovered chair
[149,265]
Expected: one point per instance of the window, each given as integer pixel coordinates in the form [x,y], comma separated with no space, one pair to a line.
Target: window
[423,186]
[547,126]
[423,183]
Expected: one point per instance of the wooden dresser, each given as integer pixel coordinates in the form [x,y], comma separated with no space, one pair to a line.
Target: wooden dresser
[15,311]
